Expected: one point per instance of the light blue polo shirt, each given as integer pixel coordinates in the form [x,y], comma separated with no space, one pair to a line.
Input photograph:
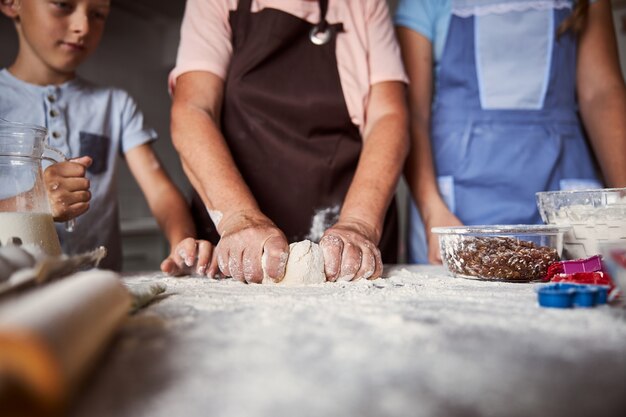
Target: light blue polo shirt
[83,119]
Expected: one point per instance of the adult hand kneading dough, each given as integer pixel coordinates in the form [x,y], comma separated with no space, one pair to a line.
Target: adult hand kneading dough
[305,265]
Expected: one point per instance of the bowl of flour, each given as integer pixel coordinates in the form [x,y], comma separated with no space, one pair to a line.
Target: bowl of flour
[595,216]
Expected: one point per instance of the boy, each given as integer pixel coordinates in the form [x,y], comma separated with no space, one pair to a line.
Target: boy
[41,87]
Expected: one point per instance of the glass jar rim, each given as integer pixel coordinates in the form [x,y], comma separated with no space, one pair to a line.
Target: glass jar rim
[8,125]
[508,229]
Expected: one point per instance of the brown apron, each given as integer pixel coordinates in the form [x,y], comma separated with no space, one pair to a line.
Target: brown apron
[286,123]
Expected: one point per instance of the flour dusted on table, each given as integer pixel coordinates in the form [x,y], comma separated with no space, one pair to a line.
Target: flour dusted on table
[305,265]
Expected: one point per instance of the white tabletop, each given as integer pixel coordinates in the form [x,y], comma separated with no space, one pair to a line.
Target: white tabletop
[418,343]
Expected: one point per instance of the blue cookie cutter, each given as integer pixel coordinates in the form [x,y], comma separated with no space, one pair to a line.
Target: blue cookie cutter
[566,295]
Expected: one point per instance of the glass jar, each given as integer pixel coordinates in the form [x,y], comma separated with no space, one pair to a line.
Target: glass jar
[25,216]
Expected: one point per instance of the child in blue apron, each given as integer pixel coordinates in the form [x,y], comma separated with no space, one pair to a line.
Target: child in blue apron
[497,118]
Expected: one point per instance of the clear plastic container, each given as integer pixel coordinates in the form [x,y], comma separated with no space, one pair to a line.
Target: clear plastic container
[595,216]
[514,253]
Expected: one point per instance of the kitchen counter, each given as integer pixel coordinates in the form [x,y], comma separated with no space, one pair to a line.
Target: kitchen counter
[418,343]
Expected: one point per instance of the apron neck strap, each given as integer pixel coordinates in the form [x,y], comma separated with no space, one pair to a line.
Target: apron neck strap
[244,8]
[323,10]
[244,5]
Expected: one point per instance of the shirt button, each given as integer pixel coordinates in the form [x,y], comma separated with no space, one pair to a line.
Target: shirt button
[53,113]
[56,135]
[51,98]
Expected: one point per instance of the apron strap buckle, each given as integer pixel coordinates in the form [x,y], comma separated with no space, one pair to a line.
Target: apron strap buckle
[321,33]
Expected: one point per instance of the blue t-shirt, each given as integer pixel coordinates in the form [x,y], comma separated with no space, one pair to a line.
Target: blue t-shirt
[83,119]
[431,18]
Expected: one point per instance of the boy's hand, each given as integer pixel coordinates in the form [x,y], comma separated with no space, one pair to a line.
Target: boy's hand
[189,256]
[68,189]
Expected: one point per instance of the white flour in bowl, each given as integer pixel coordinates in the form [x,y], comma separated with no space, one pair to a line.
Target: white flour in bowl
[590,226]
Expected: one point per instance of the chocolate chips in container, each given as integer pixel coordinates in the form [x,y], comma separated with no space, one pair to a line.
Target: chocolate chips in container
[517,253]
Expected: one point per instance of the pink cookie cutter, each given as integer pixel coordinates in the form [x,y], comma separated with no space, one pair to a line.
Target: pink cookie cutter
[593,264]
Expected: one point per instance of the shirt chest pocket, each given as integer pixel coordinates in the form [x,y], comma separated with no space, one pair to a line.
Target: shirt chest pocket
[97,147]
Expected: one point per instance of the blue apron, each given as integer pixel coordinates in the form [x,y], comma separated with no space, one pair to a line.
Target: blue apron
[504,119]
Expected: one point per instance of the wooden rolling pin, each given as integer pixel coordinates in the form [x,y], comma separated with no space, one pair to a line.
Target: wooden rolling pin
[50,337]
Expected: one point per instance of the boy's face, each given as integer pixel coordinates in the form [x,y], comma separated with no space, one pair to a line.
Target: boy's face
[58,33]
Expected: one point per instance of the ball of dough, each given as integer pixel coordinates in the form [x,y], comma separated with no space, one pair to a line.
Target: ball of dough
[305,265]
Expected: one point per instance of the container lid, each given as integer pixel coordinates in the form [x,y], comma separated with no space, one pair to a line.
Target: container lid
[509,229]
[594,191]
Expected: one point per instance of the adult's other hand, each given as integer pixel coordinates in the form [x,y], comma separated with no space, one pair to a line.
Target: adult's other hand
[246,238]
[350,252]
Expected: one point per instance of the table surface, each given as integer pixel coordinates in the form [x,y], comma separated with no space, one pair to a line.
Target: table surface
[418,343]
